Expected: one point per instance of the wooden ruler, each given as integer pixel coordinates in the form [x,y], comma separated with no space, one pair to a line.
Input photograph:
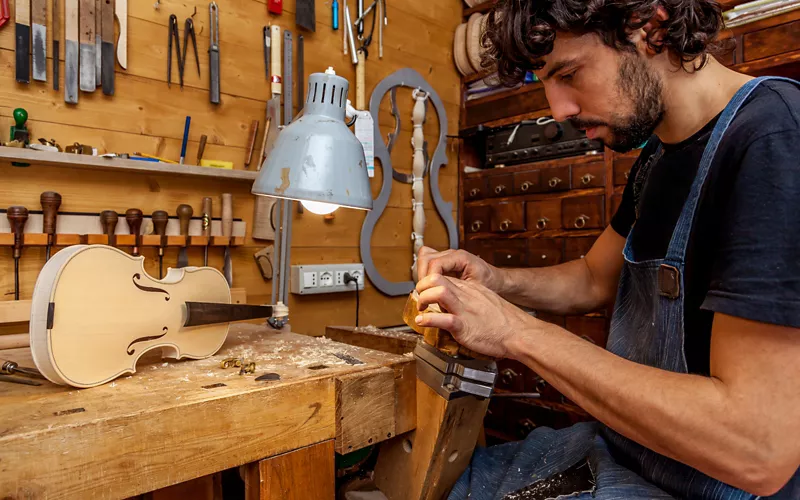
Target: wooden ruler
[121,11]
[87,53]
[23,40]
[39,32]
[107,15]
[275,47]
[71,50]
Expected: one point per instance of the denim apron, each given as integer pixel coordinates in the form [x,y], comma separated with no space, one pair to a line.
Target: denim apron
[646,327]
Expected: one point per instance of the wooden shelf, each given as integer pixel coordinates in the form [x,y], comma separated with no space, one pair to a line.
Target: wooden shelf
[123,240]
[87,162]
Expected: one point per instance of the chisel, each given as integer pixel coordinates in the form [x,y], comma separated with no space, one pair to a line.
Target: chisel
[160,219]
[50,201]
[184,217]
[56,35]
[206,226]
[121,13]
[17,217]
[71,51]
[98,42]
[107,77]
[108,219]
[23,41]
[134,217]
[86,37]
[39,31]
[227,231]
[213,52]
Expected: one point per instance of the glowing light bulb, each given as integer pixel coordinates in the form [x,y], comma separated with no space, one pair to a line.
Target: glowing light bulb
[319,208]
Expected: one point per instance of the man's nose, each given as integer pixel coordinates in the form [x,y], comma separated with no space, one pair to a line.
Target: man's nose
[562,106]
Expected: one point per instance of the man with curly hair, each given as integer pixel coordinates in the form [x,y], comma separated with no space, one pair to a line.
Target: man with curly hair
[698,392]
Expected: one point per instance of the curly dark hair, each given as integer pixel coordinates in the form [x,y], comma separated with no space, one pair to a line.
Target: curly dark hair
[519,33]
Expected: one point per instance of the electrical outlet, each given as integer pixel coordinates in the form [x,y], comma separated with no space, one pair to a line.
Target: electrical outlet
[325,278]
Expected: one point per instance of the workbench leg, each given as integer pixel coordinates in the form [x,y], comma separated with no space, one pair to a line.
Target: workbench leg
[304,474]
[425,463]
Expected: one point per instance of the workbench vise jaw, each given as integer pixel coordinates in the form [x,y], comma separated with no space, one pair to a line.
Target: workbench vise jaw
[454,376]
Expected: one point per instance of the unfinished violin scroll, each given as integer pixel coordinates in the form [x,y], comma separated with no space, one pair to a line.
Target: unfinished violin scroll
[436,337]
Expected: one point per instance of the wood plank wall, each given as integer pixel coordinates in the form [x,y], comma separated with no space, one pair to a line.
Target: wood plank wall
[147,116]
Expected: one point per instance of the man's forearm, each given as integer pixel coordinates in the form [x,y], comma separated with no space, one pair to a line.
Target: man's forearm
[563,289]
[690,418]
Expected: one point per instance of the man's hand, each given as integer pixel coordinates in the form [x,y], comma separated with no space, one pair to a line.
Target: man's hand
[458,264]
[478,318]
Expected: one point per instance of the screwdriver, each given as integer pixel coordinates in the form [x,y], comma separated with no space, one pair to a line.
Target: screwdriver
[108,219]
[134,218]
[17,217]
[50,201]
[206,226]
[160,219]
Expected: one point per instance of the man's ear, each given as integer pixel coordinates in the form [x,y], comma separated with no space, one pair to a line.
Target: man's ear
[652,30]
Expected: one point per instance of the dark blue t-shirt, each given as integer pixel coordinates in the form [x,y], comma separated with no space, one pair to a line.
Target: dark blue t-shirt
[744,253]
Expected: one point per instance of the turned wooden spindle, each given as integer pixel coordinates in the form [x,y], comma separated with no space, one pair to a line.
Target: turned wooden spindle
[134,217]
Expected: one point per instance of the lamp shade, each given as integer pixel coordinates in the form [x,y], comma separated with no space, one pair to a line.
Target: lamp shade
[317,158]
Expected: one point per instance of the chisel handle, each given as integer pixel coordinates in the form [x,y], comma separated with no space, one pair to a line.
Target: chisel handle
[207,216]
[160,219]
[108,219]
[134,217]
[185,213]
[50,201]
[17,217]
[227,215]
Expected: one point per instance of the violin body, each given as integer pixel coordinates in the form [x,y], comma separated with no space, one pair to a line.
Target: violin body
[95,312]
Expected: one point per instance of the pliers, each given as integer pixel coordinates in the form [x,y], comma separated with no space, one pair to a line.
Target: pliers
[187,31]
[173,38]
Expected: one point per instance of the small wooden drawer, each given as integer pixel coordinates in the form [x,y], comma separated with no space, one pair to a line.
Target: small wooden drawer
[508,253]
[511,375]
[543,215]
[555,319]
[577,248]
[527,182]
[589,175]
[583,212]
[545,252]
[595,330]
[479,248]
[555,179]
[771,41]
[622,168]
[508,217]
[475,188]
[476,219]
[501,185]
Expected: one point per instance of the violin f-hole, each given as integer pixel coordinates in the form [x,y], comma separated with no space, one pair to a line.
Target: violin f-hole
[151,289]
[145,339]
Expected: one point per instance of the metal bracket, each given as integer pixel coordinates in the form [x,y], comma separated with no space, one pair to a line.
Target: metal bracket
[454,377]
[405,77]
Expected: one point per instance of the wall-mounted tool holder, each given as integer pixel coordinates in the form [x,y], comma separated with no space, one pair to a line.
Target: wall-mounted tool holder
[123,240]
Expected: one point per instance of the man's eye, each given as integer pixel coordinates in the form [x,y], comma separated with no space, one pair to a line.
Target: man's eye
[567,77]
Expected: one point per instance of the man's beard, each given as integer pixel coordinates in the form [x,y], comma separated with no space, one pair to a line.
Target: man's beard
[642,86]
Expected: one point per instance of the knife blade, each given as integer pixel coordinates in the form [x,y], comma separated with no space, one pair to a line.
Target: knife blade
[121,13]
[71,49]
[56,32]
[227,231]
[98,42]
[23,40]
[107,35]
[39,31]
[88,78]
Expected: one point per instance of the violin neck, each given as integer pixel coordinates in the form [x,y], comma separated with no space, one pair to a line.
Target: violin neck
[209,313]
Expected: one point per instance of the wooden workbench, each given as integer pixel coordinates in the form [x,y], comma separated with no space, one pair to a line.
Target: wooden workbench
[174,421]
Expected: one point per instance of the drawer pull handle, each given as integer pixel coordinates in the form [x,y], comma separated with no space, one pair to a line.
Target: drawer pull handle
[505,225]
[544,256]
[499,189]
[540,384]
[474,192]
[555,181]
[542,223]
[507,376]
[587,179]
[476,226]
[627,174]
[581,221]
[525,186]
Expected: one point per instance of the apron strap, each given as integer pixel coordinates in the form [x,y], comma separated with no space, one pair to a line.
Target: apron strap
[669,276]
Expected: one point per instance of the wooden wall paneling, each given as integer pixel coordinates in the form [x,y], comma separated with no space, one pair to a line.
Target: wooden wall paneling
[304,474]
